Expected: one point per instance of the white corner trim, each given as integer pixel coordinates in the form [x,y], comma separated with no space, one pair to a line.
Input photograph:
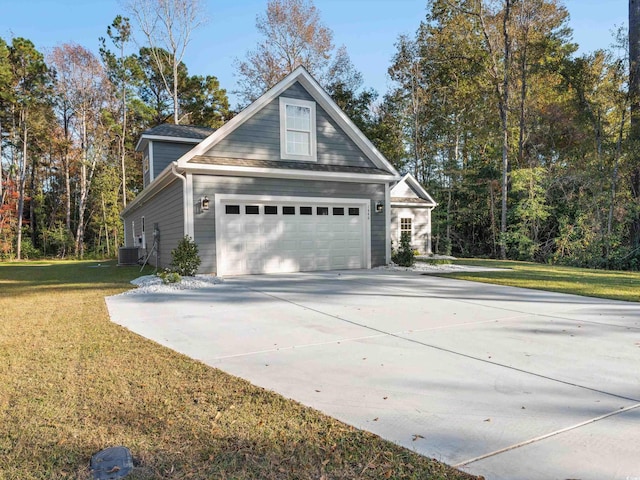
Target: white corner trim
[313,149]
[387,219]
[151,169]
[190,206]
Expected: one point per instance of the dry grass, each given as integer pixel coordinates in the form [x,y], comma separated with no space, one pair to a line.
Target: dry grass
[73,383]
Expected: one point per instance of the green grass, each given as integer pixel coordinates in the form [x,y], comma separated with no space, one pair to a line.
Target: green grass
[580,281]
[73,383]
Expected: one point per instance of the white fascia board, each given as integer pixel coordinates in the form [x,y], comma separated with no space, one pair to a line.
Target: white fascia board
[416,187]
[164,138]
[412,205]
[318,93]
[152,189]
[421,191]
[238,120]
[350,128]
[243,171]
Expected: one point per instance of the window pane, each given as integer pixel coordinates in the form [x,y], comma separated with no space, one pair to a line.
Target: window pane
[354,211]
[251,209]
[232,209]
[306,211]
[405,227]
[322,211]
[298,143]
[338,210]
[270,210]
[288,210]
[298,118]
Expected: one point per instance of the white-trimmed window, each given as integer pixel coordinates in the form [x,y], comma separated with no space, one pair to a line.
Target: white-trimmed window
[405,227]
[297,129]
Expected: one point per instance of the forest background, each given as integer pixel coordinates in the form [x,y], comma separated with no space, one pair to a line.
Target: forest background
[529,148]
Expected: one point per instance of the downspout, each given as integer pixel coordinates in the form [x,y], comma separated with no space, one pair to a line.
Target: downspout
[185,200]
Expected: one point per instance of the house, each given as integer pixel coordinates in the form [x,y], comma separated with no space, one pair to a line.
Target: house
[289,184]
[411,208]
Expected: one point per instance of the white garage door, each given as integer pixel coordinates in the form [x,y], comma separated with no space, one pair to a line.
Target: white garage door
[298,235]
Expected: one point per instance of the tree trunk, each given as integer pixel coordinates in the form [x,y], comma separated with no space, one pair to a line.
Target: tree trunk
[634,96]
[504,118]
[21,188]
[79,250]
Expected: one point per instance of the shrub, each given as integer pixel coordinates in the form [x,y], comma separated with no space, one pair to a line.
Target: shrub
[403,256]
[185,259]
[168,276]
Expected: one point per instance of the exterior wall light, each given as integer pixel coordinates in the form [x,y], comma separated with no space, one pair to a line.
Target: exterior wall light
[379,206]
[204,203]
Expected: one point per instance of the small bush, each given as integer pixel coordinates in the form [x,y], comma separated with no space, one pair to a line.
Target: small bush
[184,258]
[168,276]
[404,256]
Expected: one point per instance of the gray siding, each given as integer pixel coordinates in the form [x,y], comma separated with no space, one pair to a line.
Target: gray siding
[164,153]
[165,209]
[259,137]
[204,222]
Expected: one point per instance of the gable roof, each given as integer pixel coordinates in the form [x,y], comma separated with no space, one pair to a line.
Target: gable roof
[421,198]
[300,75]
[173,133]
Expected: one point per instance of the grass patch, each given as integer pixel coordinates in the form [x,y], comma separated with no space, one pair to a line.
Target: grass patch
[609,284]
[73,383]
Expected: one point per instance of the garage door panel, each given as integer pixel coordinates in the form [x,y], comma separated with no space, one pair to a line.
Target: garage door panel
[261,243]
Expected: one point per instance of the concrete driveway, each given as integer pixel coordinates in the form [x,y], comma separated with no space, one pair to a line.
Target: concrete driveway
[502,382]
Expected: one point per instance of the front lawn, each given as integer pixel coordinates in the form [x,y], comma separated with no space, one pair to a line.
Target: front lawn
[580,281]
[73,383]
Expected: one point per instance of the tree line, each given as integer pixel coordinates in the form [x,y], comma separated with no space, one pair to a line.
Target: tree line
[529,148]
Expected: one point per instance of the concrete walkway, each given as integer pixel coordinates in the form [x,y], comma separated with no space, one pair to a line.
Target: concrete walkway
[502,382]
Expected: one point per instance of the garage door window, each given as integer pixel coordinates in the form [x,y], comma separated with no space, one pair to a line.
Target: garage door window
[322,211]
[251,209]
[338,210]
[270,210]
[306,211]
[232,209]
[354,211]
[288,210]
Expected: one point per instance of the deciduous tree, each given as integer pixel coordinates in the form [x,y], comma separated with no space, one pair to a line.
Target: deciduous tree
[167,26]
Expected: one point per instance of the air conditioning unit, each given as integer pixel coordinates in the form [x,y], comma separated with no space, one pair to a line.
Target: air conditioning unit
[128,255]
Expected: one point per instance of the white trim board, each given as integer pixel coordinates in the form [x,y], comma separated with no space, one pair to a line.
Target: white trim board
[319,95]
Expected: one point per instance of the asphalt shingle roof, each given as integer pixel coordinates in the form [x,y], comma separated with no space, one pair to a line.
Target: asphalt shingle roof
[180,131]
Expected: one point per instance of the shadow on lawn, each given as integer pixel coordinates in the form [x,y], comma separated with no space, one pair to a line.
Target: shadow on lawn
[24,278]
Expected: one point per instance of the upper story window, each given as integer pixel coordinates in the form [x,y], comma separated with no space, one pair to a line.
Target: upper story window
[297,129]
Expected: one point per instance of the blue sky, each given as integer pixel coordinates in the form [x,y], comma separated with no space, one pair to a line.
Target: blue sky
[368,28]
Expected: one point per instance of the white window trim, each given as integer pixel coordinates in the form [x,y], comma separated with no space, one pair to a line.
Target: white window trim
[283,130]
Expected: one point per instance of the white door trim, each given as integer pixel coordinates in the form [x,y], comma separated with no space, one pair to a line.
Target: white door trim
[221,198]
